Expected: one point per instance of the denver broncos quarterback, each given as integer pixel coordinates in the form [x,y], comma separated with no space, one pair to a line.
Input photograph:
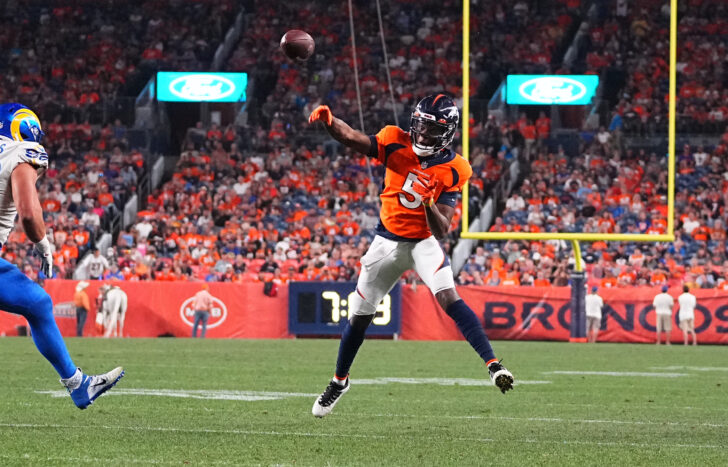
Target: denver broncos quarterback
[22,160]
[422,181]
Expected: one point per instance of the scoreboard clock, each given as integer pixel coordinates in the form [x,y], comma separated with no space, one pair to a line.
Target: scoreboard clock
[322,308]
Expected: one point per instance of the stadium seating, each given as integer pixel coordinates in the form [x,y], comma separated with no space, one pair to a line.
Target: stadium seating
[80,190]
[276,199]
[628,46]
[88,60]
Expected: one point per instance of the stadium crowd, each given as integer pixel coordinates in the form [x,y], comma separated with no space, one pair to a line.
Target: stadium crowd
[424,55]
[628,46]
[625,193]
[609,189]
[275,200]
[75,60]
[91,174]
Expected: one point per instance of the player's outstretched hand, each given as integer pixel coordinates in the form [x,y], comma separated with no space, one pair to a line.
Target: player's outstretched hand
[43,248]
[427,189]
[321,113]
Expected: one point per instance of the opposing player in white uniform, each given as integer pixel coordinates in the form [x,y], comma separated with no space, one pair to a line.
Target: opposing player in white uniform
[686,315]
[22,160]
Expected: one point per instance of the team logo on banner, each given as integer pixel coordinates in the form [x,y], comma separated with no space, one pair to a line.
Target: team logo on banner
[64,310]
[217,314]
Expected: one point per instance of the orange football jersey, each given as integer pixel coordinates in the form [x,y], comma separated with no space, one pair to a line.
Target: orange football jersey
[403,214]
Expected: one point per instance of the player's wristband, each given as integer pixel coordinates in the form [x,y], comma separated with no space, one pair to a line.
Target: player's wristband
[429,202]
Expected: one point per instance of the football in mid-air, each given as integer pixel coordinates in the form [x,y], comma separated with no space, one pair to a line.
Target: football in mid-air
[297,45]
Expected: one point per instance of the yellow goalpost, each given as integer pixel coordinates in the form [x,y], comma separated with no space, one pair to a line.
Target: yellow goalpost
[573,236]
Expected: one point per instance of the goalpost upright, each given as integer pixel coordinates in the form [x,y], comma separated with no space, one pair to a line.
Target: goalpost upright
[577,323]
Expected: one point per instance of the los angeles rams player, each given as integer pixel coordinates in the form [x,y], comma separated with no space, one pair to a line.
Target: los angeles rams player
[422,181]
[22,159]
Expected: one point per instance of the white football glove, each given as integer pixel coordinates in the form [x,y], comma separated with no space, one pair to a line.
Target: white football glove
[43,248]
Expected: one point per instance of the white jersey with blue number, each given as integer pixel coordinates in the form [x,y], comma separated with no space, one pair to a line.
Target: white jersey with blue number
[12,154]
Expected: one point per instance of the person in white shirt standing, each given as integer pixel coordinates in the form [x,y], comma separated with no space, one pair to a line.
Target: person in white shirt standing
[663,304]
[593,304]
[686,315]
[97,266]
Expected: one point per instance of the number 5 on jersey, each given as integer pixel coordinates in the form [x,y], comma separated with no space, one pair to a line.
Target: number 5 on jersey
[408,188]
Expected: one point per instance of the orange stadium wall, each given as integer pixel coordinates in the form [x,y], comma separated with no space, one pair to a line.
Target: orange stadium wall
[162,308]
[525,313]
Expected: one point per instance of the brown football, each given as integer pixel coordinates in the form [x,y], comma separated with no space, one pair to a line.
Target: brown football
[297,45]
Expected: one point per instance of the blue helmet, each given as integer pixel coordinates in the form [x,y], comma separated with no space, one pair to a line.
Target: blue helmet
[433,124]
[19,123]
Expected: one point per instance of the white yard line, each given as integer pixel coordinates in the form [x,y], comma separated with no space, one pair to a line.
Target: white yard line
[438,381]
[208,394]
[544,419]
[615,373]
[352,435]
[627,405]
[690,368]
[101,460]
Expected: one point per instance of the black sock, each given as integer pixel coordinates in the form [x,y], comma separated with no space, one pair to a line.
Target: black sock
[470,327]
[351,340]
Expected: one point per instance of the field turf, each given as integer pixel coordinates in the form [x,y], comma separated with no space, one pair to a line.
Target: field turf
[230,402]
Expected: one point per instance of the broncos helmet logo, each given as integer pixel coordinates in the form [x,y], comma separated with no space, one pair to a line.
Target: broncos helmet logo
[19,123]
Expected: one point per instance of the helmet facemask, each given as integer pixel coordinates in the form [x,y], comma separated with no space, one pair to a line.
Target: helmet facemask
[428,136]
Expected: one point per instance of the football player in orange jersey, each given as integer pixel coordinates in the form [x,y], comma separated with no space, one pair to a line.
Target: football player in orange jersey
[422,180]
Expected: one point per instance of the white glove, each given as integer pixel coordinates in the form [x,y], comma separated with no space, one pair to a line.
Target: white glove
[43,248]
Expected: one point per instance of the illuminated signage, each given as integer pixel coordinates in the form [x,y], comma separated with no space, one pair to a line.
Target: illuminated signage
[174,86]
[324,308]
[550,89]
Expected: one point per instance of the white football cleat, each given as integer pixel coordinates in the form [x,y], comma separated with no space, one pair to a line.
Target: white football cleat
[501,377]
[326,402]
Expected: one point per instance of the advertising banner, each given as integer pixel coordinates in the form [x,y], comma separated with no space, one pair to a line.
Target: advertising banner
[543,313]
[164,309]
[244,311]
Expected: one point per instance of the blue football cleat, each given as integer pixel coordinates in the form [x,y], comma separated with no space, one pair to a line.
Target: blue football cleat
[92,386]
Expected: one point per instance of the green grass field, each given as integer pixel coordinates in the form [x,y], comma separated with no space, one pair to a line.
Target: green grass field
[222,402]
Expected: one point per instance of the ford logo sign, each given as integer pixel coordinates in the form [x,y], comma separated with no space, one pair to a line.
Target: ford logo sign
[202,87]
[552,90]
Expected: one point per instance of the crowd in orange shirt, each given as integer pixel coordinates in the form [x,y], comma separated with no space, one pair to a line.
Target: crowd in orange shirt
[77,60]
[79,191]
[631,39]
[623,194]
